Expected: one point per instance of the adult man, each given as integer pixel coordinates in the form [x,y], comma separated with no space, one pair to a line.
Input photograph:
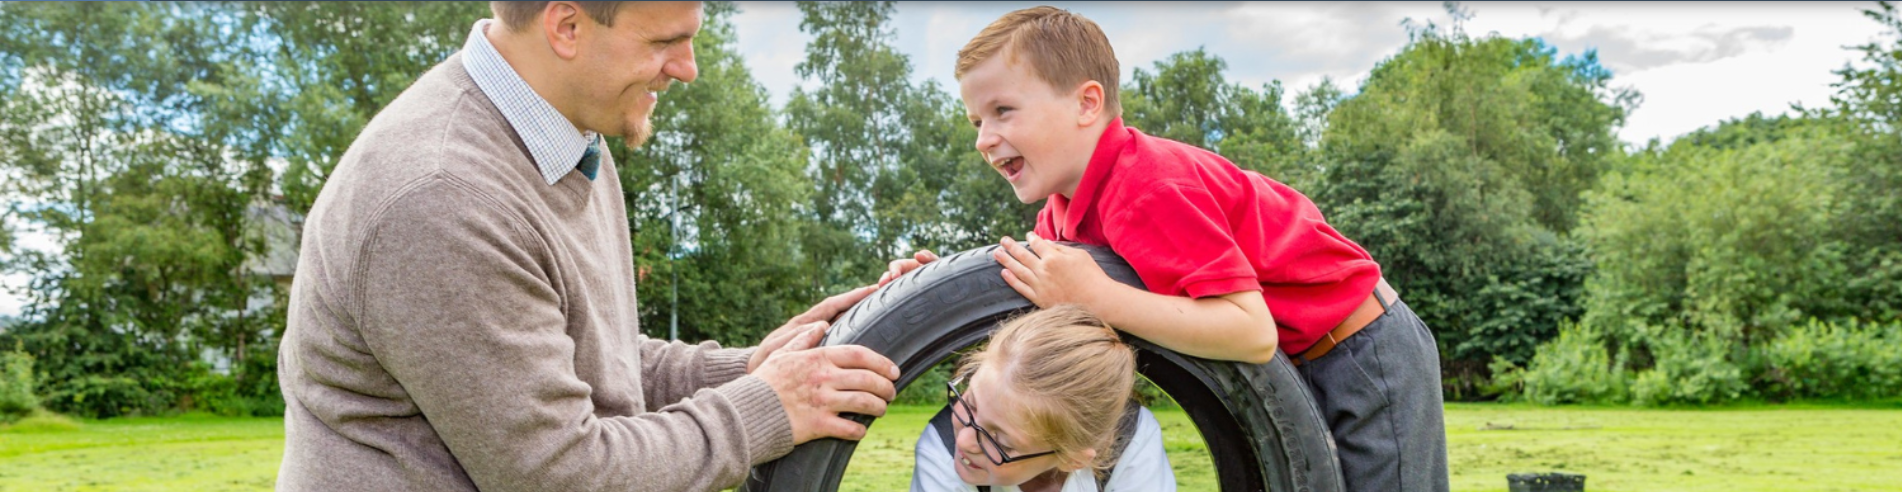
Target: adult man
[464,312]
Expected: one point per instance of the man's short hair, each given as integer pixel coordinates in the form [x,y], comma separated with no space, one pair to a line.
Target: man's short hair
[519,15]
[1062,48]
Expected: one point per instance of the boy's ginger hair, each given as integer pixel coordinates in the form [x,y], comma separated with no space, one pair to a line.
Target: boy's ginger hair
[1062,49]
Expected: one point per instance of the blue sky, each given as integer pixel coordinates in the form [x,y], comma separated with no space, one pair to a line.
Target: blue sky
[1696,63]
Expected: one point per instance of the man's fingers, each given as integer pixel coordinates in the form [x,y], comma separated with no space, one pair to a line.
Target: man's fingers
[864,381]
[856,402]
[859,357]
[832,306]
[808,336]
[924,256]
[841,427]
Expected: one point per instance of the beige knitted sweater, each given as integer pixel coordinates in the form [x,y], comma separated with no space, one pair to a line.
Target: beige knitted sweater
[457,323]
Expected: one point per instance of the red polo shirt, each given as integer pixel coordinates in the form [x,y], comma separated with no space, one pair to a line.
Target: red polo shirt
[1192,224]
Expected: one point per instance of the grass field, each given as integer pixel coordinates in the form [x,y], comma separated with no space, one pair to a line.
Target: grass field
[1733,449]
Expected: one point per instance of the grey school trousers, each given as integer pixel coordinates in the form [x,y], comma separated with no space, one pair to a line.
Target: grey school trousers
[1379,391]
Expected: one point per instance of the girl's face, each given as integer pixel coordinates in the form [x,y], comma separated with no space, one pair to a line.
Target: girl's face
[995,408]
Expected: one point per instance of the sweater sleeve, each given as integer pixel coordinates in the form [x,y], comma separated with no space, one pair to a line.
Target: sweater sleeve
[454,302]
[674,370]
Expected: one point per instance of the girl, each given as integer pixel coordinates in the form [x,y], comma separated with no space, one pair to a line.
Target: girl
[1045,407]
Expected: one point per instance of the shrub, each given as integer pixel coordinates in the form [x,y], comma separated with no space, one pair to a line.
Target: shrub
[1574,368]
[1688,368]
[1818,359]
[16,386]
[101,396]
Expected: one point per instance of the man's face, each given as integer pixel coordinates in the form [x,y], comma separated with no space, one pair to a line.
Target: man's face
[649,47]
[1029,132]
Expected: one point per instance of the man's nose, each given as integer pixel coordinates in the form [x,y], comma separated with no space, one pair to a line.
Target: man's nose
[683,67]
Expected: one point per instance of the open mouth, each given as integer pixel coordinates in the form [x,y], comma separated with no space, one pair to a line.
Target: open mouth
[966,461]
[1012,167]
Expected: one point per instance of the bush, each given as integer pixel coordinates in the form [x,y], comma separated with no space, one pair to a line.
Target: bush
[1688,368]
[1574,368]
[42,421]
[1817,359]
[16,386]
[100,396]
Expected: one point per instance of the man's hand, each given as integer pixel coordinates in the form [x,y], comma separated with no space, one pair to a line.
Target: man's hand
[1048,273]
[901,266]
[816,385]
[819,318]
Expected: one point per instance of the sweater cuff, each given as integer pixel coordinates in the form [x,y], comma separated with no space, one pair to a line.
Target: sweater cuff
[725,365]
[768,429]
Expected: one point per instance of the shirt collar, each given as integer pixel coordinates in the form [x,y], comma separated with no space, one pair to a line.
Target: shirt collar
[1109,148]
[553,141]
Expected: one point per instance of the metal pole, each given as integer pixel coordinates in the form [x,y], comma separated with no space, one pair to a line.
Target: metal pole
[673,317]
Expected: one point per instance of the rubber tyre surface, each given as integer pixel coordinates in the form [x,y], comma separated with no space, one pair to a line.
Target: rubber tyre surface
[1261,425]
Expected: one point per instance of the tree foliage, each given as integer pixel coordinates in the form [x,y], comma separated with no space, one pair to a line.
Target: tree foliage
[1458,165]
[1759,257]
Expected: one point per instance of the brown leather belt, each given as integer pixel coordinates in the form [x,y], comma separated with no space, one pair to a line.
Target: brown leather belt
[1368,311]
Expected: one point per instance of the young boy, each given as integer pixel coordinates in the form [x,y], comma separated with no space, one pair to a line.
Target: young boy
[1236,264]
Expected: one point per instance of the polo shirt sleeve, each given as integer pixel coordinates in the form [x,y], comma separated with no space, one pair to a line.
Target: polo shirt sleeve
[1178,239]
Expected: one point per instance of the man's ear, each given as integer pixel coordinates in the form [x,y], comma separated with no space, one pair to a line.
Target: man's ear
[1089,98]
[561,23]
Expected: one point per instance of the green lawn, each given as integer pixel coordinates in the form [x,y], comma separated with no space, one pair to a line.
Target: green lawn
[1735,449]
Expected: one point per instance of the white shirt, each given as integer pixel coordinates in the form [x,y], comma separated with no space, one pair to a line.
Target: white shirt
[552,140]
[1143,467]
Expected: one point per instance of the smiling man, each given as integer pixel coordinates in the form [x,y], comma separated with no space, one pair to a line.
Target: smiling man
[463,315]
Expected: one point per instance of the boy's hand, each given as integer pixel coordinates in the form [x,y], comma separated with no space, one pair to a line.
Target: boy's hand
[1049,273]
[901,266]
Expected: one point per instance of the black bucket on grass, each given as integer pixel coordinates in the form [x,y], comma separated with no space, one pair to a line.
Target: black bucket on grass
[1545,482]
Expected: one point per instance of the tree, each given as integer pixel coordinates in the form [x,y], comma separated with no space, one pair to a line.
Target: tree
[1187,99]
[884,153]
[1459,165]
[335,65]
[122,152]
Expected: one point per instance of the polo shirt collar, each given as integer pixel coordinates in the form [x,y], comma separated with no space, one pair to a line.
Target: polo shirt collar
[553,141]
[1109,148]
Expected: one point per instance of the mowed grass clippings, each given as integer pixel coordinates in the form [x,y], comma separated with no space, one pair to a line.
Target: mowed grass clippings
[1740,449]
[189,453]
[1732,449]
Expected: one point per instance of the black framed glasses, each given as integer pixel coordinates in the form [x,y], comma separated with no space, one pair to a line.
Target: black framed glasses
[985,441]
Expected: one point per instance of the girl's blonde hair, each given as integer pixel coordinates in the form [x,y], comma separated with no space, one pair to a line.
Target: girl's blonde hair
[1069,373]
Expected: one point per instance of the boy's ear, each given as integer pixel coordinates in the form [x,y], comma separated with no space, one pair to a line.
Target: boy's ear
[1089,98]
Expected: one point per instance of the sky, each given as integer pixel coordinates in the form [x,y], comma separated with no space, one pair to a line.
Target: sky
[1695,63]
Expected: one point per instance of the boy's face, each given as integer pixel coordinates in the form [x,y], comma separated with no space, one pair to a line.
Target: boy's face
[1038,137]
